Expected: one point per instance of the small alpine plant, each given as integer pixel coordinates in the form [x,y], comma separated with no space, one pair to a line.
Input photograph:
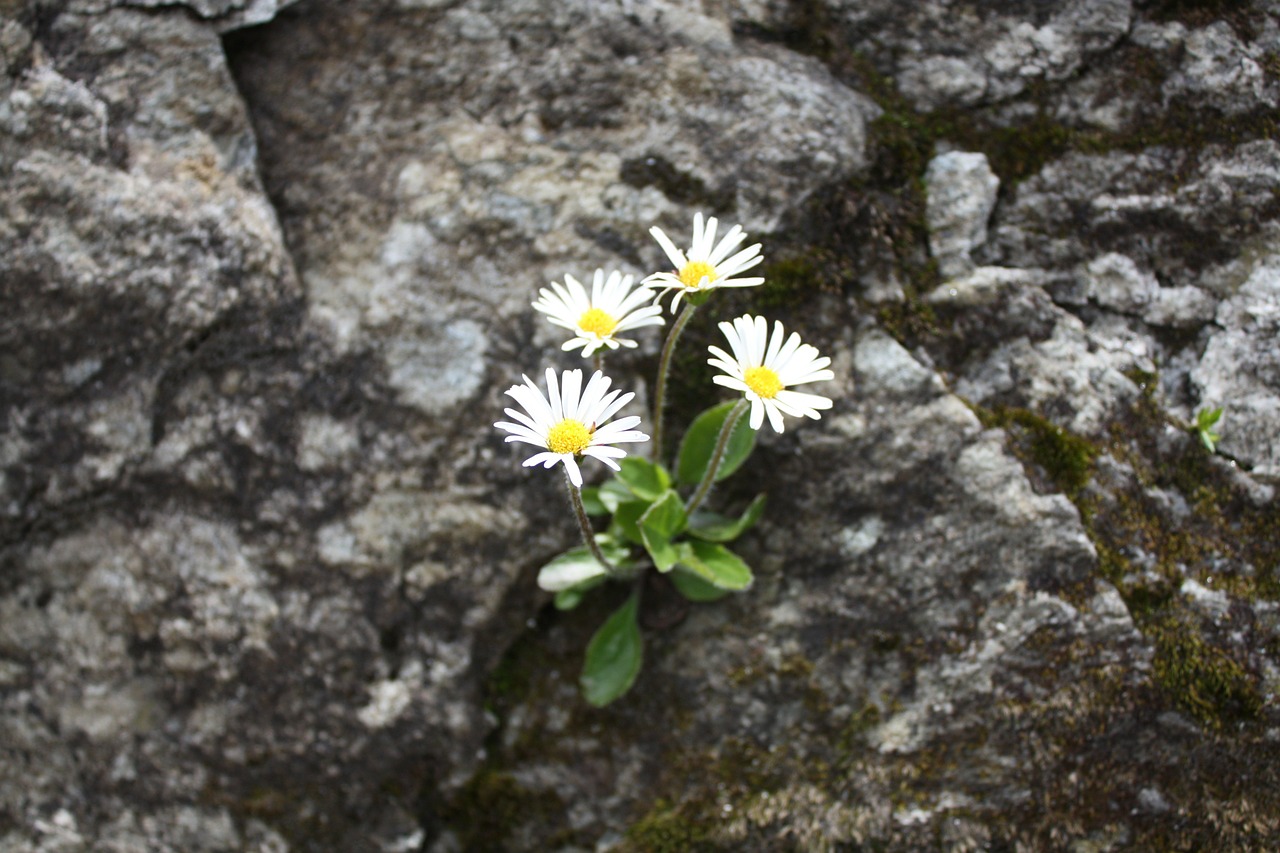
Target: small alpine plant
[653,508]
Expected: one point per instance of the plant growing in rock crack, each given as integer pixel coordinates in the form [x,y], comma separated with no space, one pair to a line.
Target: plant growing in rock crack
[656,517]
[1206,420]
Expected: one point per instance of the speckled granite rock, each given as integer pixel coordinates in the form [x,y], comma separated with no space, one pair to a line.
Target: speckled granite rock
[266,573]
[962,193]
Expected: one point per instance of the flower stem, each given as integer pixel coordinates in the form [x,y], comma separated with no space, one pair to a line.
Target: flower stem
[717,455]
[584,524]
[597,361]
[664,367]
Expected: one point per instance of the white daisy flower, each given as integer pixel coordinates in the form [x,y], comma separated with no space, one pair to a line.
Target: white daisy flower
[613,307]
[765,369]
[707,265]
[570,422]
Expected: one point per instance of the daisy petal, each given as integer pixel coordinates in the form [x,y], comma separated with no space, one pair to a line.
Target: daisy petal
[677,257]
[775,416]
[764,367]
[575,474]
[571,421]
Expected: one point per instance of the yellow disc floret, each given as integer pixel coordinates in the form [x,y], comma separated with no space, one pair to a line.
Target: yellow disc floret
[695,271]
[597,322]
[568,436]
[763,381]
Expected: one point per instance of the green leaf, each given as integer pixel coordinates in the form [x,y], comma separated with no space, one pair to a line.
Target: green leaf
[714,527]
[614,492]
[695,588]
[715,564]
[1206,418]
[662,522]
[578,564]
[591,501]
[625,517]
[567,599]
[643,477]
[700,442]
[613,657]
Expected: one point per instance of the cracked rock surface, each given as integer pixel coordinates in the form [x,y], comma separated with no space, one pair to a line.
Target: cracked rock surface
[266,571]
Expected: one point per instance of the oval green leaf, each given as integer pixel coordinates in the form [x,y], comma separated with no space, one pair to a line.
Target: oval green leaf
[591,501]
[623,525]
[700,442]
[612,493]
[661,522]
[643,477]
[613,657]
[714,527]
[715,564]
[695,588]
[578,565]
[567,599]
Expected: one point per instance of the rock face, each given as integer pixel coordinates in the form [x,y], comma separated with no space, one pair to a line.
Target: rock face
[961,193]
[266,571]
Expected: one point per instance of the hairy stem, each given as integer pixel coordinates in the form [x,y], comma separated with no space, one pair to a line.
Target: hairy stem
[584,525]
[717,455]
[664,368]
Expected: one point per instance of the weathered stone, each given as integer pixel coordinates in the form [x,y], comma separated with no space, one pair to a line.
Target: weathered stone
[1240,371]
[222,14]
[945,56]
[1221,71]
[266,572]
[962,193]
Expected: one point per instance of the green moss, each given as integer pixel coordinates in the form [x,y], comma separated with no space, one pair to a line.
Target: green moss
[1065,458]
[1201,678]
[493,804]
[738,773]
[1224,529]
[901,143]
[909,322]
[518,676]
[745,768]
[1270,63]
[666,830]
[1018,152]
[1227,541]
[855,730]
[511,677]
[787,282]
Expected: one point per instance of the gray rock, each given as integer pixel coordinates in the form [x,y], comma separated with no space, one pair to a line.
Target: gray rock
[1115,282]
[224,15]
[266,571]
[1240,370]
[1222,71]
[1180,308]
[983,286]
[1210,205]
[962,193]
[946,57]
[1078,374]
[137,263]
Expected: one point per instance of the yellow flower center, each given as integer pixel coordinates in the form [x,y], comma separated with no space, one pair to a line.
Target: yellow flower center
[763,381]
[568,436]
[694,271]
[597,322]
